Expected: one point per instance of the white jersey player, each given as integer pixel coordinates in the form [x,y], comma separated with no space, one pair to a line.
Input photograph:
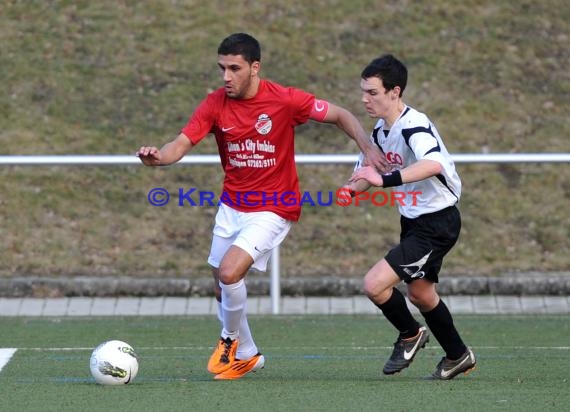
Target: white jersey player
[411,138]
[429,227]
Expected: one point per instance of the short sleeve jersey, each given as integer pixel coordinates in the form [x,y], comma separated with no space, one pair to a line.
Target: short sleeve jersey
[411,138]
[255,139]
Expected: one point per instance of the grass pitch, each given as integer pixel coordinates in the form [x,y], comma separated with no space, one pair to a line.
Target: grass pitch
[313,363]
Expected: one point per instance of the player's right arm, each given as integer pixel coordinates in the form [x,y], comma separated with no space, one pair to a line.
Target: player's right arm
[170,153]
[326,112]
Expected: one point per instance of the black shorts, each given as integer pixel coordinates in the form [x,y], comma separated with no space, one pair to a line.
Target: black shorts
[424,241]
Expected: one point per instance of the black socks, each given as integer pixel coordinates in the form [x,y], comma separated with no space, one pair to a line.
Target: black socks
[398,314]
[440,322]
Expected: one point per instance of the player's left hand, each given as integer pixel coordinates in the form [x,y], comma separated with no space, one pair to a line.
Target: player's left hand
[374,157]
[369,174]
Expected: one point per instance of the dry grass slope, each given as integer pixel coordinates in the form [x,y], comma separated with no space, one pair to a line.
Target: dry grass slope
[82,77]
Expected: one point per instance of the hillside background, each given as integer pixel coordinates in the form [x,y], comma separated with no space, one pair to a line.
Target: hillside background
[104,77]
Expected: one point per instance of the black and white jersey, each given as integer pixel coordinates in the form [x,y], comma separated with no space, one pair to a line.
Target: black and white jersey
[414,137]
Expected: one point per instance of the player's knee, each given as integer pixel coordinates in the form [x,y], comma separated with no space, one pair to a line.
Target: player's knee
[375,290]
[229,275]
[415,298]
[424,300]
[368,286]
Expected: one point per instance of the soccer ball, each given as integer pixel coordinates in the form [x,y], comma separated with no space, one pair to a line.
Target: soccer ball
[114,363]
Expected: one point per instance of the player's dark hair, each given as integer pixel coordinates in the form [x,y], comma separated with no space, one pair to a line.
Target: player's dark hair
[390,70]
[241,44]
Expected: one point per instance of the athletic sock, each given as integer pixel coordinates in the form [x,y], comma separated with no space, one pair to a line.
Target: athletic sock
[396,311]
[233,304]
[441,325]
[247,347]
[219,312]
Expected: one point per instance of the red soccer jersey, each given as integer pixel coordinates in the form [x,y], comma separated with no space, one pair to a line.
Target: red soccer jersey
[255,140]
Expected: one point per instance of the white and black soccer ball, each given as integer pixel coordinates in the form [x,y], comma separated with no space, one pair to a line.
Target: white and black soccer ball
[114,363]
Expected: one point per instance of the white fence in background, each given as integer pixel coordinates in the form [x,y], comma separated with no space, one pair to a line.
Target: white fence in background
[275,287]
[123,160]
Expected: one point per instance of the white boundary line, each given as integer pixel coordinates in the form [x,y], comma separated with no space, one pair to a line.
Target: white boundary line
[5,356]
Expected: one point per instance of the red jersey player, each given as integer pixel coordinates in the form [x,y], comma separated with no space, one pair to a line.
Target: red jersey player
[253,121]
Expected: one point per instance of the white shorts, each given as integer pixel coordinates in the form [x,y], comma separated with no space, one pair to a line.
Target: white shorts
[258,233]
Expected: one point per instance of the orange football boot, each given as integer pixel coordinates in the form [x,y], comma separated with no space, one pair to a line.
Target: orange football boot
[223,356]
[241,367]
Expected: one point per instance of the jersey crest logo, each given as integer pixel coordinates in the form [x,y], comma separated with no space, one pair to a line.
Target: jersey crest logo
[264,124]
[394,158]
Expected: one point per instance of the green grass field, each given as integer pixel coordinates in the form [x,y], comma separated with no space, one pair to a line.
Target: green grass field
[313,363]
